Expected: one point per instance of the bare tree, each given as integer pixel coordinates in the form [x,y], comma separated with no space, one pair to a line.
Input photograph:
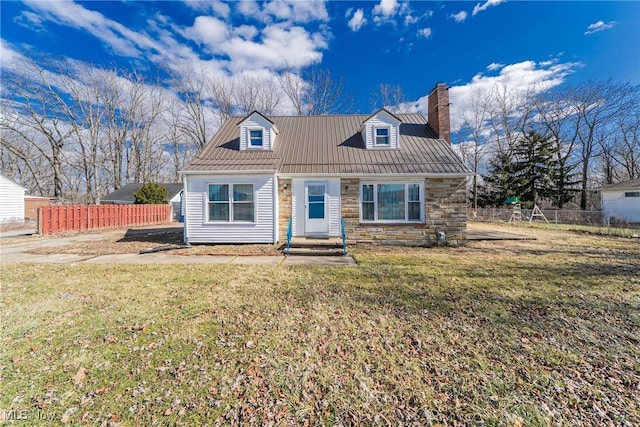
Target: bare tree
[391,97]
[475,125]
[313,91]
[596,106]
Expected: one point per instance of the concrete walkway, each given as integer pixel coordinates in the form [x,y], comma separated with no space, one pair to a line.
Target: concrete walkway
[18,252]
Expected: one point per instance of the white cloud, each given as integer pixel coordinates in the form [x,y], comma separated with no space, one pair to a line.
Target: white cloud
[386,8]
[481,7]
[425,32]
[357,20]
[596,27]
[209,30]
[460,16]
[248,7]
[409,19]
[496,65]
[515,79]
[297,11]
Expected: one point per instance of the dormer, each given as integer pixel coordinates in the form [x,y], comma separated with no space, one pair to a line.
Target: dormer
[381,130]
[257,132]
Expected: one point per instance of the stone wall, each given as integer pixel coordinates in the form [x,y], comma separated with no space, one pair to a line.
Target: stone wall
[284,208]
[445,207]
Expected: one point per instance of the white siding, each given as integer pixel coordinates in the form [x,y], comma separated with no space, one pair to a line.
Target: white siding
[615,204]
[11,200]
[381,119]
[298,204]
[199,231]
[255,121]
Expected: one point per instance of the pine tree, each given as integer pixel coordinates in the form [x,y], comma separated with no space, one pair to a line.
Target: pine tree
[500,182]
[534,166]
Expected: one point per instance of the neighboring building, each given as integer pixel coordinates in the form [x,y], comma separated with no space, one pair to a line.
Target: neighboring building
[125,196]
[11,200]
[33,203]
[622,200]
[389,176]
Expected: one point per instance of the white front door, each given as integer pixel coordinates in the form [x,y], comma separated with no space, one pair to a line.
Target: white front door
[316,215]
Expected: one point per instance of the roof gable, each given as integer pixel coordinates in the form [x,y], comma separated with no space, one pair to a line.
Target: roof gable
[385,115]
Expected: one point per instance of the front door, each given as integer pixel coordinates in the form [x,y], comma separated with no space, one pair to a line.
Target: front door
[316,217]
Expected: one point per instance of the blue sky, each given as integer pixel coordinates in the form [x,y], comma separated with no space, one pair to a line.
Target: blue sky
[412,44]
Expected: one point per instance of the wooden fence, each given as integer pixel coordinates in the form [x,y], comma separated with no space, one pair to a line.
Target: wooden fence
[57,219]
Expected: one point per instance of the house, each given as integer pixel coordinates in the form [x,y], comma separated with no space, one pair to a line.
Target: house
[392,178]
[12,200]
[33,203]
[125,195]
[621,201]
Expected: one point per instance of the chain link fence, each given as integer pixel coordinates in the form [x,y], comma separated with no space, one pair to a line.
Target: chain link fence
[553,216]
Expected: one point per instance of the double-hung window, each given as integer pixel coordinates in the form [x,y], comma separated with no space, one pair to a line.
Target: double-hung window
[391,202]
[382,135]
[255,137]
[231,203]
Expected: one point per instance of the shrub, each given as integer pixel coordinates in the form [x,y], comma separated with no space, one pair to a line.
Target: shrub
[151,193]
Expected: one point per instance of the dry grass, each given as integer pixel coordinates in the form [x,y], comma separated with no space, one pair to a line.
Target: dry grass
[497,333]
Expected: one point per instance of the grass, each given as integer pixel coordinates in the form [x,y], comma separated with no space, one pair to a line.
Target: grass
[521,333]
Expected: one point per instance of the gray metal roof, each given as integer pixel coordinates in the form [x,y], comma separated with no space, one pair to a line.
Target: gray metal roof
[125,193]
[331,145]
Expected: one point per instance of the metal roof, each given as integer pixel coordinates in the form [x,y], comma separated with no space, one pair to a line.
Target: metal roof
[331,144]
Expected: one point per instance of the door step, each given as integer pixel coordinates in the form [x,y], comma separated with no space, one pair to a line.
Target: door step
[305,246]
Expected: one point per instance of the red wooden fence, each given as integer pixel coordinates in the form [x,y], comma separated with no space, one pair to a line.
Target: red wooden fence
[57,219]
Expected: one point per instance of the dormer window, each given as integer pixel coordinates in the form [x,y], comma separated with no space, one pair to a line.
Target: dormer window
[256,138]
[381,130]
[257,132]
[382,136]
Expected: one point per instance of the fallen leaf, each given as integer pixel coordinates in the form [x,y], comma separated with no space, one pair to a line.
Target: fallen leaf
[79,376]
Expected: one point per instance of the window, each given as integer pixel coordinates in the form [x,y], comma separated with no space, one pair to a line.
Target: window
[391,202]
[231,202]
[255,138]
[382,136]
[632,194]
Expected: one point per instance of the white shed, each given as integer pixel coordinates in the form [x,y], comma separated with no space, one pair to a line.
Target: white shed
[11,200]
[622,200]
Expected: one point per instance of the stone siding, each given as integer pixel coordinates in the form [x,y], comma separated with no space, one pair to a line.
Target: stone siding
[284,208]
[445,207]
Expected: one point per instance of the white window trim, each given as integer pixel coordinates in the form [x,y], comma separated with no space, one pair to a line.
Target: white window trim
[230,203]
[375,136]
[255,147]
[406,203]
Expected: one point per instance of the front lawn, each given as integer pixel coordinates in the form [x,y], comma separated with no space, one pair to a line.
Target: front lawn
[517,333]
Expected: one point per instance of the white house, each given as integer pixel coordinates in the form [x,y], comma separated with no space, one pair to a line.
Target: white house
[622,200]
[391,179]
[11,200]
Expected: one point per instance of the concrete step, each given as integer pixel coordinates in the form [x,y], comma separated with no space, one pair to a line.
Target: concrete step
[316,251]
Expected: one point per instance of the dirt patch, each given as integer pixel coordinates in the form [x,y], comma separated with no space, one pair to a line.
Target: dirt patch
[135,240]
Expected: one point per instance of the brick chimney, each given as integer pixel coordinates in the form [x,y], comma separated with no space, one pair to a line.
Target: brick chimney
[438,114]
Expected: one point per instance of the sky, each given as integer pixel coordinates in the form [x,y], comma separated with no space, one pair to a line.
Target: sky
[412,44]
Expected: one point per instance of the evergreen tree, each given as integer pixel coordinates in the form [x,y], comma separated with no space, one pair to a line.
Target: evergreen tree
[564,179]
[500,182]
[534,166]
[151,193]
